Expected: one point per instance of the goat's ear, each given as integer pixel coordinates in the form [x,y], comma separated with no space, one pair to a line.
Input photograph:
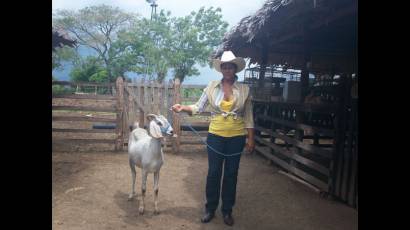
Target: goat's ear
[154,130]
[151,116]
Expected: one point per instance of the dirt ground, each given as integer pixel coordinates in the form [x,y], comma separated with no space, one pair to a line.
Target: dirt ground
[90,191]
[91,186]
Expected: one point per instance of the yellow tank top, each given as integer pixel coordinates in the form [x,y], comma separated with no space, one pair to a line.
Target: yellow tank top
[227,126]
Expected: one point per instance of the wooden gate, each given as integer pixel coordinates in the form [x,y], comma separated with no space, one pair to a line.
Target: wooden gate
[144,97]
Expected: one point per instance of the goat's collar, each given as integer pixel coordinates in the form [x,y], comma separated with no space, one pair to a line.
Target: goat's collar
[164,128]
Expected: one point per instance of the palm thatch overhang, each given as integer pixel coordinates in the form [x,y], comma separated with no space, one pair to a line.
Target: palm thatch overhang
[60,39]
[294,33]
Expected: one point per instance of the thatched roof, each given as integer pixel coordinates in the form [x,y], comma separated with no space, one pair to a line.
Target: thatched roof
[279,28]
[61,38]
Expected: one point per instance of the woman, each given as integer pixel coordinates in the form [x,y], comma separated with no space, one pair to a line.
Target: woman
[231,124]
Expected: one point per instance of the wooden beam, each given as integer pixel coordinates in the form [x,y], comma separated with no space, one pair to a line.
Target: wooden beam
[306,147]
[84,141]
[305,161]
[176,121]
[313,108]
[81,83]
[136,99]
[190,133]
[294,125]
[84,130]
[85,96]
[84,108]
[142,112]
[91,119]
[191,142]
[193,86]
[120,113]
[313,180]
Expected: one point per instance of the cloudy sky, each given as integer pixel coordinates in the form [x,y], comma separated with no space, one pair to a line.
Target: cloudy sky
[232,10]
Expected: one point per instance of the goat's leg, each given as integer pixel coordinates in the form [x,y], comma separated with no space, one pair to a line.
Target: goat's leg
[143,189]
[156,188]
[133,174]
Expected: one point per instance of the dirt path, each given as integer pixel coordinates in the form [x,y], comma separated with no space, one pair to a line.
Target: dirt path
[90,191]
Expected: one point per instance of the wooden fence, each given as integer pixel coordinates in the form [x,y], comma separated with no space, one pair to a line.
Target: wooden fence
[114,90]
[131,102]
[143,97]
[315,142]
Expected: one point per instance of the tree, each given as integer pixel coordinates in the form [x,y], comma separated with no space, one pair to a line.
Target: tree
[178,43]
[97,27]
[193,38]
[90,69]
[64,53]
[150,40]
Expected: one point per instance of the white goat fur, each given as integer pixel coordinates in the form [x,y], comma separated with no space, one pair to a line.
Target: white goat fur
[145,152]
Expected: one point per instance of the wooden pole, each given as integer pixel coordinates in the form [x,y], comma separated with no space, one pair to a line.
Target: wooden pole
[142,100]
[304,78]
[262,70]
[127,108]
[120,113]
[176,122]
[169,99]
[131,107]
[162,98]
[338,142]
[156,97]
[151,97]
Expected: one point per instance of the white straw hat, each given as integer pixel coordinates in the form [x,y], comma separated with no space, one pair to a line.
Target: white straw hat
[228,56]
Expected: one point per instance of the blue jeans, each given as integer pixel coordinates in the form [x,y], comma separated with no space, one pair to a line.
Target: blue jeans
[226,145]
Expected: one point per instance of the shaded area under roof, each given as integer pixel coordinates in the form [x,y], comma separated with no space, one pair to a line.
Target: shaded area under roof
[283,32]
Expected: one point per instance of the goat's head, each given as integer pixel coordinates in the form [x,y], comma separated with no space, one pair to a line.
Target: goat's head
[134,126]
[159,126]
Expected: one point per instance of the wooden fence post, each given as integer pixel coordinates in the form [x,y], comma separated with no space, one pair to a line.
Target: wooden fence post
[131,107]
[338,142]
[142,100]
[176,122]
[126,115]
[169,99]
[156,96]
[162,106]
[120,111]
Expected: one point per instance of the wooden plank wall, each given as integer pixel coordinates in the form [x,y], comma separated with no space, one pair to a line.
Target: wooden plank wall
[315,142]
[287,140]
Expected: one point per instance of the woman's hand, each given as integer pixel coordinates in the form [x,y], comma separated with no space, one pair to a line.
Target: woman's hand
[177,108]
[250,145]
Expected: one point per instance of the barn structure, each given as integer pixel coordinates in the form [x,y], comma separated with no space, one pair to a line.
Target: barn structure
[303,76]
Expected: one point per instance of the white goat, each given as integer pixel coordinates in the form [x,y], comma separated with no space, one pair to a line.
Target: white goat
[145,152]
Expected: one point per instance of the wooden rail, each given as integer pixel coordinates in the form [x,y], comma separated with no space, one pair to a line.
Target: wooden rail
[85,108]
[84,130]
[91,119]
